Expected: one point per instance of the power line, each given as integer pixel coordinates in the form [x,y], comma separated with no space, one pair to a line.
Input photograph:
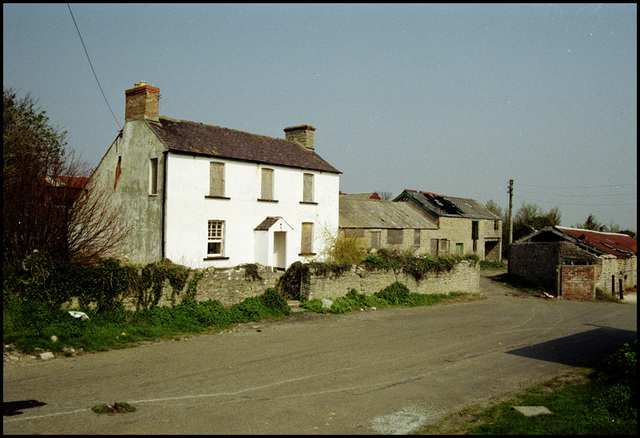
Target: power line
[92,69]
[578,187]
[578,203]
[581,194]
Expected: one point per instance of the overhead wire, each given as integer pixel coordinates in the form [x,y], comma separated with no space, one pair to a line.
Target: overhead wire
[92,69]
[533,195]
[577,187]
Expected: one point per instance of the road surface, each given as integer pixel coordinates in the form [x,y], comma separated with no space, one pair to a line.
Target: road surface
[386,371]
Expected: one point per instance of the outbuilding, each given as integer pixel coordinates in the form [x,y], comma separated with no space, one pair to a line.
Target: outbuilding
[573,262]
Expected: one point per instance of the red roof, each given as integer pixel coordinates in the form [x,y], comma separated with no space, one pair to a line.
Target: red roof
[618,245]
[73,182]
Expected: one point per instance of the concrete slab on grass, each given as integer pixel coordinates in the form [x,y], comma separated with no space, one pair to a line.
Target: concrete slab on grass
[532,411]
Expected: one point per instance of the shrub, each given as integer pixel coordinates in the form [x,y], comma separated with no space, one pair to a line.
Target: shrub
[274,303]
[344,249]
[416,266]
[252,308]
[359,299]
[396,293]
[314,305]
[289,285]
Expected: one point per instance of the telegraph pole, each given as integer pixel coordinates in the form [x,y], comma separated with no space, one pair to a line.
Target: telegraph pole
[510,211]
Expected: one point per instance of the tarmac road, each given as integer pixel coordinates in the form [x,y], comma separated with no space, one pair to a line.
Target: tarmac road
[386,371]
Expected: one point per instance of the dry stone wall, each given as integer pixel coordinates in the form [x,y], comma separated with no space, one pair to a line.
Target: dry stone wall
[231,286]
[464,277]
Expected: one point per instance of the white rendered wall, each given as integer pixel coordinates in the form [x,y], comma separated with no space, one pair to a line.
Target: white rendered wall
[188,210]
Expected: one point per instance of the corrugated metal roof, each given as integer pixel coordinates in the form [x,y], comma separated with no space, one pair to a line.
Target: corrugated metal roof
[377,213]
[451,206]
[618,245]
[198,138]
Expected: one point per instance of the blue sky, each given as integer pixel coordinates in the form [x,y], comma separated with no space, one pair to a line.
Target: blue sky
[454,99]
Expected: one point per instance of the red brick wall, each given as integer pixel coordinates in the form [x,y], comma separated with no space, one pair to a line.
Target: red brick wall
[141,100]
[578,282]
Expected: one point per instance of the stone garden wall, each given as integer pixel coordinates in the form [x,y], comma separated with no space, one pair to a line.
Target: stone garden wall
[231,286]
[464,277]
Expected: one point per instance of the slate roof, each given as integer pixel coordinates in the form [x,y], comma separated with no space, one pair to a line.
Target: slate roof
[376,213]
[449,206]
[267,223]
[372,195]
[182,136]
[600,243]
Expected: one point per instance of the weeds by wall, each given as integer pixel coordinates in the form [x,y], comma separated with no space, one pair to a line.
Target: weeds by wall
[111,284]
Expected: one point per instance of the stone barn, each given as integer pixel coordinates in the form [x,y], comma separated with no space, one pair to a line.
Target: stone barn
[573,262]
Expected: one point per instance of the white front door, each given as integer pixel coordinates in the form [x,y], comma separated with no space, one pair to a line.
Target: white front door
[280,249]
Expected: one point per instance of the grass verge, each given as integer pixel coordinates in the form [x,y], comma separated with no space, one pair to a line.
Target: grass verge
[600,401]
[33,327]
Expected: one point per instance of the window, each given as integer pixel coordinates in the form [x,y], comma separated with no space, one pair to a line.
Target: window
[307,187]
[266,185]
[416,237]
[394,237]
[216,179]
[215,238]
[459,249]
[439,246]
[118,172]
[306,245]
[375,239]
[496,225]
[353,232]
[153,176]
[475,230]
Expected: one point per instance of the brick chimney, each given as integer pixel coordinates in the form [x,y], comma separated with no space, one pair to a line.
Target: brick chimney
[303,135]
[142,100]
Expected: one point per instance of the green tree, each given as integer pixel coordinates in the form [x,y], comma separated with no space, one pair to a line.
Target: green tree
[594,225]
[33,158]
[494,208]
[530,218]
[591,224]
[44,207]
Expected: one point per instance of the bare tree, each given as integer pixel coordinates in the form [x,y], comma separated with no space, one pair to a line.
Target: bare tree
[47,204]
[96,228]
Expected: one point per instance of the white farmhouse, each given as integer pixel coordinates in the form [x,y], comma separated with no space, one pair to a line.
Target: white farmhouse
[204,196]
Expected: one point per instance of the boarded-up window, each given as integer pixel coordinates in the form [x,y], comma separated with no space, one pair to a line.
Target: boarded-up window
[216,179]
[394,237]
[306,245]
[351,232]
[434,247]
[375,239]
[439,246]
[153,176]
[215,238]
[416,237]
[266,191]
[307,187]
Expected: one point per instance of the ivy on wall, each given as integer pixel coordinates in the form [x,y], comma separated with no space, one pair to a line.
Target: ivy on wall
[105,285]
